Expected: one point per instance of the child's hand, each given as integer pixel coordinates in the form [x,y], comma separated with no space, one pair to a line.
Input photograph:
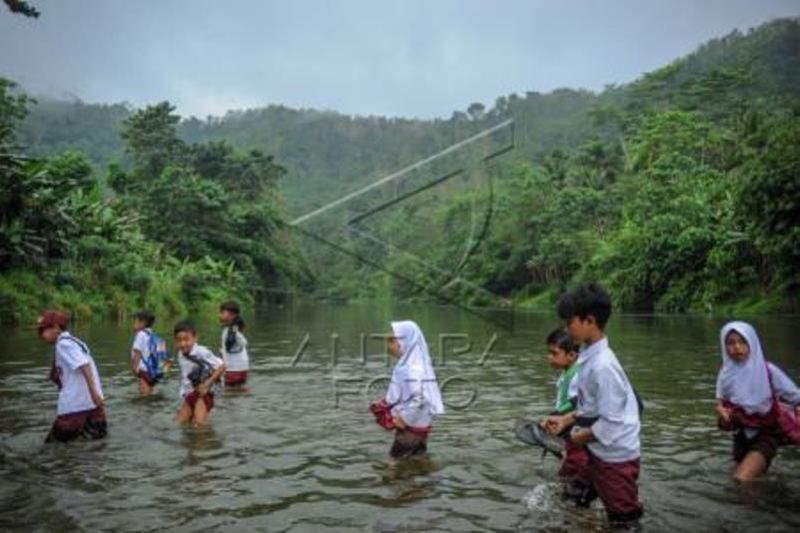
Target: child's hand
[723,413]
[555,424]
[581,437]
[398,422]
[99,401]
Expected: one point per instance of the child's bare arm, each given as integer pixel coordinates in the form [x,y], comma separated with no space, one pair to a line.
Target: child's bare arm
[97,398]
[137,356]
[202,389]
[582,436]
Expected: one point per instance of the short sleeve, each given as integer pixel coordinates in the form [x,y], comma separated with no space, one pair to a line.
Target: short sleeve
[211,359]
[71,354]
[141,342]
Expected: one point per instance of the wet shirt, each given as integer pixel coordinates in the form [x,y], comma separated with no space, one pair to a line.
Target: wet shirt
[71,355]
[199,352]
[604,392]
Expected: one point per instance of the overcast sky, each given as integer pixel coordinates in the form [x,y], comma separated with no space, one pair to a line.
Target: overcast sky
[403,58]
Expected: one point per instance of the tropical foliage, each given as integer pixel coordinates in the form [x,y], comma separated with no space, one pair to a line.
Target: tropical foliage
[679,190]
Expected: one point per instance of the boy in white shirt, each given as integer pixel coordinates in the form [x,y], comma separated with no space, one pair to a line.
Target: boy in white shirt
[607,414]
[81,406]
[200,369]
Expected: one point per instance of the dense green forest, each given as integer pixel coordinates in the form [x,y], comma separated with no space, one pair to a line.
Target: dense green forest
[181,227]
[679,190]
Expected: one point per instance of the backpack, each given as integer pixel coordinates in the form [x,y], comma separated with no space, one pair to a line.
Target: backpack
[784,414]
[157,352]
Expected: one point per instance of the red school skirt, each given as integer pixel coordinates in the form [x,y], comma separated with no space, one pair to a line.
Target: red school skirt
[234,377]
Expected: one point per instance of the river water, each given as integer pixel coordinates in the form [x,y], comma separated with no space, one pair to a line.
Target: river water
[299,451]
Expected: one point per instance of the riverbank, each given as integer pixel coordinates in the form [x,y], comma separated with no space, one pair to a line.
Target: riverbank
[783,300]
[169,292]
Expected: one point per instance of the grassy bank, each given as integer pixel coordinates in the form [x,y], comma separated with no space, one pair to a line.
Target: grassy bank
[177,292]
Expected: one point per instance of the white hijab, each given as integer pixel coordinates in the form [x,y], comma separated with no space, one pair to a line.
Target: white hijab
[414,367]
[744,383]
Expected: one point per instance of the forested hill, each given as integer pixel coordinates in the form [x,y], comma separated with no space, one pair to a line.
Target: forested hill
[330,149]
[679,190]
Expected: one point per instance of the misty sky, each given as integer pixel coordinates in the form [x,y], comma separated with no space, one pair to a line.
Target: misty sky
[402,58]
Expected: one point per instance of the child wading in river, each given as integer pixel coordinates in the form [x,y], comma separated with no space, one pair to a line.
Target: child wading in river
[607,414]
[749,395]
[562,356]
[81,405]
[147,352]
[200,370]
[234,345]
[413,398]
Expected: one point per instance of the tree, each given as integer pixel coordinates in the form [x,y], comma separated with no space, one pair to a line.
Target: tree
[768,197]
[476,110]
[22,7]
[151,135]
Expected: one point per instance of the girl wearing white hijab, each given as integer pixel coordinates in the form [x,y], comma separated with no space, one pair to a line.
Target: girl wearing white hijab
[413,393]
[745,385]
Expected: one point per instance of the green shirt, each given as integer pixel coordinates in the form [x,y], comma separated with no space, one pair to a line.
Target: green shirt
[563,402]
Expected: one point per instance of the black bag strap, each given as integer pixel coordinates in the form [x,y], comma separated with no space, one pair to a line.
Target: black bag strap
[80,343]
[196,360]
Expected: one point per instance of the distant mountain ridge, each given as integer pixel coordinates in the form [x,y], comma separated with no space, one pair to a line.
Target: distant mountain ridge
[325,148]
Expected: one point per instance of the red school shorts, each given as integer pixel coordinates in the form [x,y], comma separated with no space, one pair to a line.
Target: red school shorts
[233,377]
[191,400]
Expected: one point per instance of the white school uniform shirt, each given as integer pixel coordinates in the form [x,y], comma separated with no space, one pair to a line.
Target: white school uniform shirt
[71,355]
[605,392]
[237,359]
[141,342]
[199,352]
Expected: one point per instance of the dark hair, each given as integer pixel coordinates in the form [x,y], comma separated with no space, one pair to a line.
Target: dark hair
[238,322]
[589,299]
[231,306]
[146,316]
[184,325]
[559,337]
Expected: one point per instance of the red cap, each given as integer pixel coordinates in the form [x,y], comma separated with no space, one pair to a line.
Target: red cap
[48,319]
